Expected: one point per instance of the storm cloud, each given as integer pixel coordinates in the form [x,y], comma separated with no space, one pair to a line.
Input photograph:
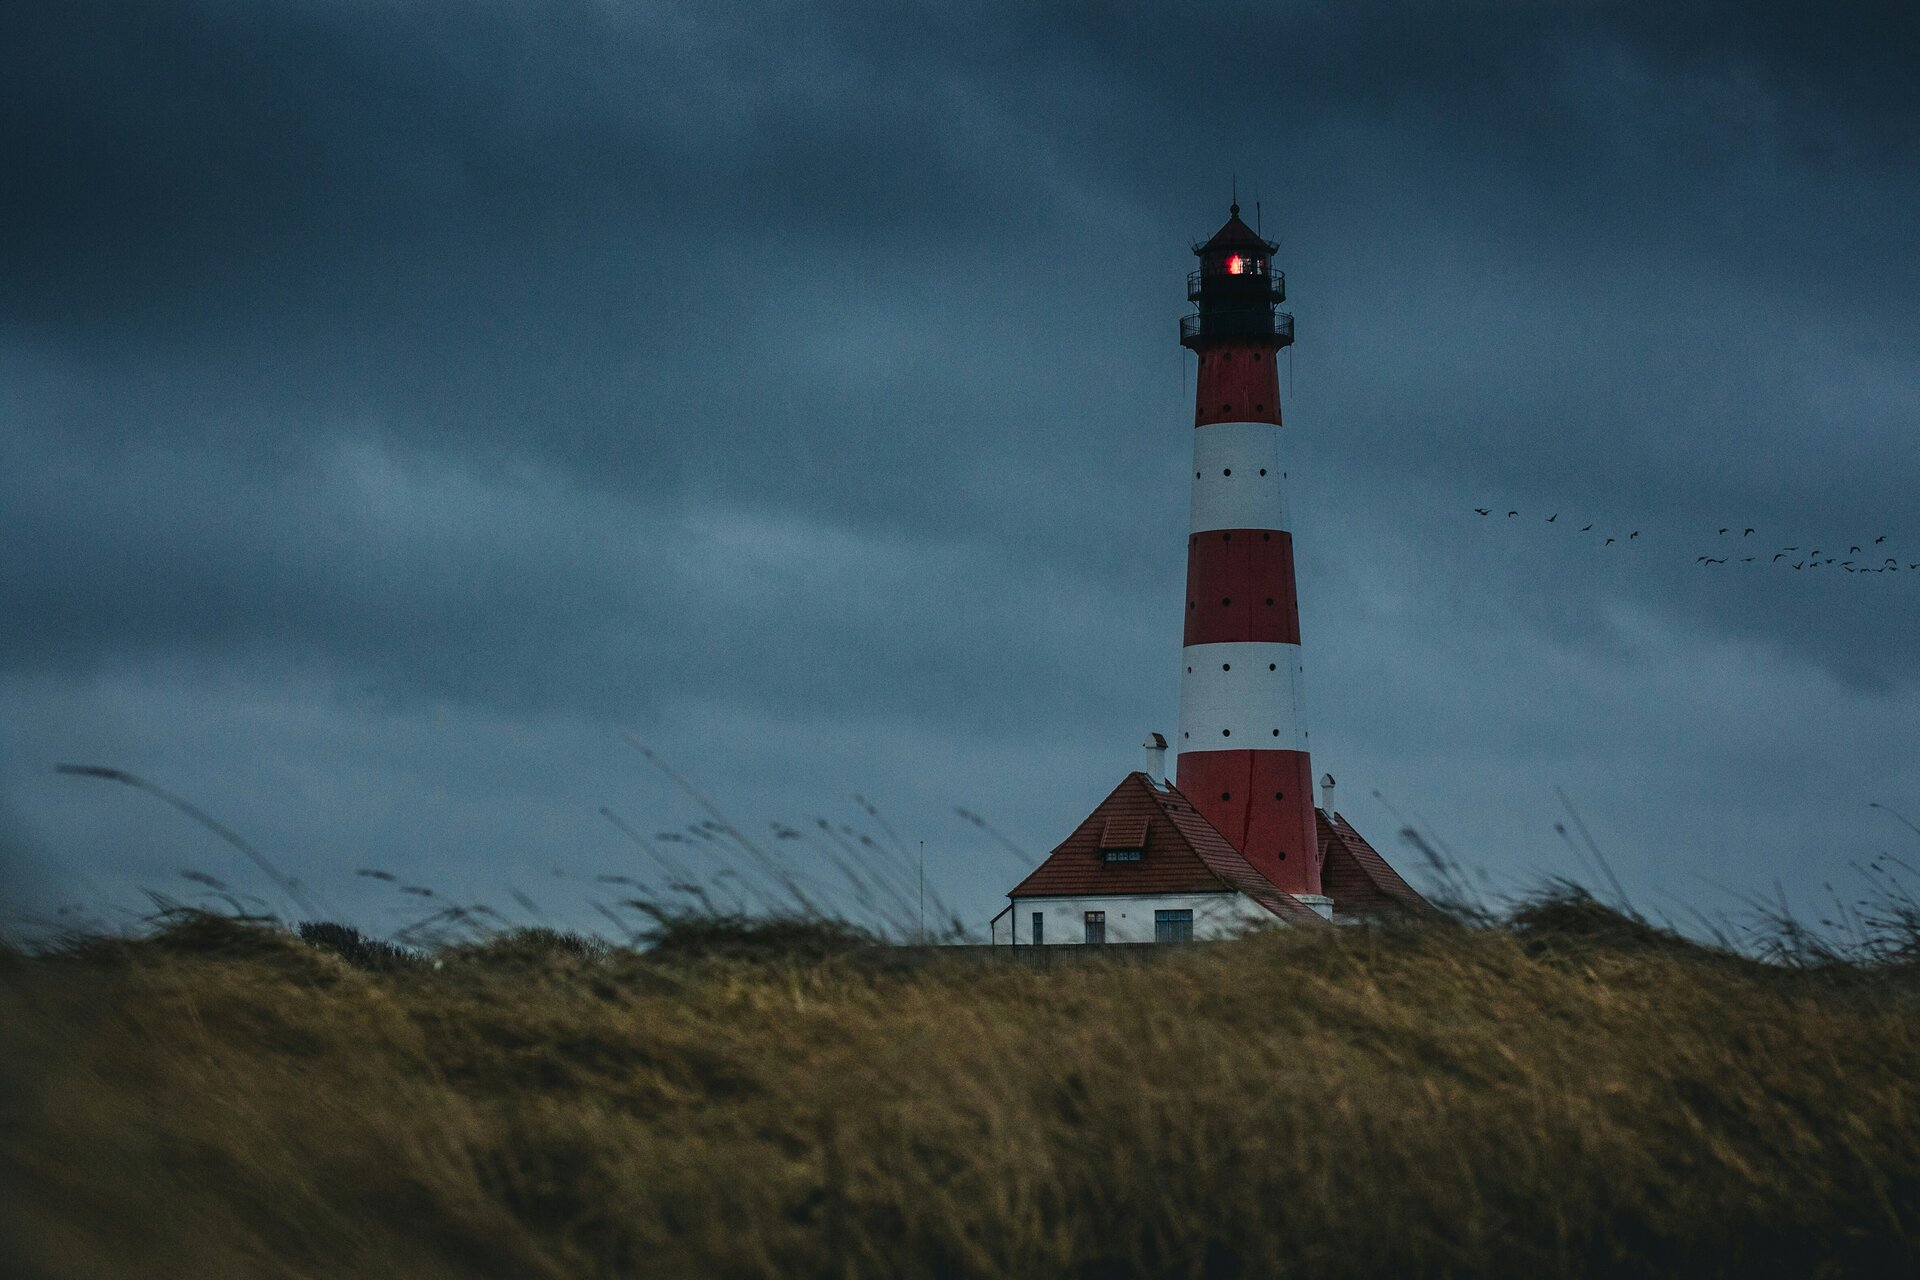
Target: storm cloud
[396,401]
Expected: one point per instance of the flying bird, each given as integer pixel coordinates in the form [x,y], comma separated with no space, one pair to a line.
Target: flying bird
[1853,548]
[1607,543]
[1776,556]
[1512,514]
[1798,566]
[1585,528]
[1882,538]
[1553,517]
[1748,533]
[1481,511]
[1746,559]
[1633,535]
[1723,531]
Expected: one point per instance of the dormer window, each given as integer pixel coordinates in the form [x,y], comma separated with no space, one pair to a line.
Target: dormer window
[1123,840]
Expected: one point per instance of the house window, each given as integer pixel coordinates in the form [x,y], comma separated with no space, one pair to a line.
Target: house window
[1172,926]
[1121,855]
[1040,929]
[1096,927]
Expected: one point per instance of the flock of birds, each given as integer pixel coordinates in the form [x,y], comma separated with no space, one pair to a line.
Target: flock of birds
[1867,556]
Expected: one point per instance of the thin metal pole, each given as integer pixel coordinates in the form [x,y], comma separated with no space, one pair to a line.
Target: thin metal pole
[923,893]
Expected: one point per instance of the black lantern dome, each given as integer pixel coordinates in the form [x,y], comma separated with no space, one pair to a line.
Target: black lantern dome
[1236,288]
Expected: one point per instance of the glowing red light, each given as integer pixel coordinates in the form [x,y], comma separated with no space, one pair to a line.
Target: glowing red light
[1236,265]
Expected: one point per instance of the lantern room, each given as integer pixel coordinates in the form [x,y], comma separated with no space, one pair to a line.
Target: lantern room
[1236,288]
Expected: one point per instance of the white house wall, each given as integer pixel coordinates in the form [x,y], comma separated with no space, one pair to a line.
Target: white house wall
[1130,917]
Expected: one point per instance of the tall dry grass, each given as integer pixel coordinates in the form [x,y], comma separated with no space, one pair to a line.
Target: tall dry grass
[1573,1093]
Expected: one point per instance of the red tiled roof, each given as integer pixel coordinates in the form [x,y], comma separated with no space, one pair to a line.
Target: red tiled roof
[1357,878]
[1126,832]
[1182,854]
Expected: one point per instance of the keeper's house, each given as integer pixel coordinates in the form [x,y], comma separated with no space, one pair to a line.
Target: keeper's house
[1145,866]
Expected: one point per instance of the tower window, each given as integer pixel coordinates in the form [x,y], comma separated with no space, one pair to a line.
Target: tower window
[1226,666]
[1226,795]
[1226,733]
[1225,601]
[1263,471]
[1226,471]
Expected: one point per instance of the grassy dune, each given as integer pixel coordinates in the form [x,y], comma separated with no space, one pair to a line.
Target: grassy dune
[1569,1094]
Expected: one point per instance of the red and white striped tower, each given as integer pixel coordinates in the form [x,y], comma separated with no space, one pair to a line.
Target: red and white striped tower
[1243,743]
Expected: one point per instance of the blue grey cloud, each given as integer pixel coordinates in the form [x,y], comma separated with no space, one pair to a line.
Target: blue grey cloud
[540,368]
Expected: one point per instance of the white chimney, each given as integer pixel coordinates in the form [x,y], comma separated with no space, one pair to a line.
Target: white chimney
[1326,793]
[1156,747]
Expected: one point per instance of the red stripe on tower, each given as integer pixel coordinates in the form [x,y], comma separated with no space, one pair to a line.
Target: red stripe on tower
[1243,744]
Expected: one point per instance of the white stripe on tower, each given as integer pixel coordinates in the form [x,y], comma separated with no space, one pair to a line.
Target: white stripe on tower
[1241,696]
[1239,477]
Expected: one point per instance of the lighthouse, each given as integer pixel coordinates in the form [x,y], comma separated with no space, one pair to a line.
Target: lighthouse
[1235,842]
[1243,738]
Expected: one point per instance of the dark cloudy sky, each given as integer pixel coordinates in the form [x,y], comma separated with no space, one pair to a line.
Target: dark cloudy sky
[399,400]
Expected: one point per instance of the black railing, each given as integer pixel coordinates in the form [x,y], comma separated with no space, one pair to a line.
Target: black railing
[1248,322]
[1237,286]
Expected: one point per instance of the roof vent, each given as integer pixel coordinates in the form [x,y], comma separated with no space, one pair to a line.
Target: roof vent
[1156,748]
[1326,793]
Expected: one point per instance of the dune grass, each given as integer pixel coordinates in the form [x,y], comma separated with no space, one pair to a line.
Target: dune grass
[1569,1093]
